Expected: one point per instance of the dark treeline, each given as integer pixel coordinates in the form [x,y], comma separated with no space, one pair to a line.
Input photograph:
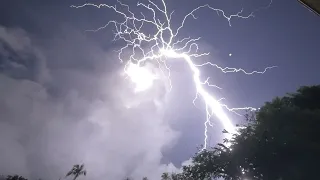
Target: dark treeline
[280,141]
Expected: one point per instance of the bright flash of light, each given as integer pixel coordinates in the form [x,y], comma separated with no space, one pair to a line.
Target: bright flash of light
[164,44]
[140,76]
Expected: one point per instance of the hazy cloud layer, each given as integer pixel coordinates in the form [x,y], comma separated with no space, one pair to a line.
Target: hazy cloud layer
[61,103]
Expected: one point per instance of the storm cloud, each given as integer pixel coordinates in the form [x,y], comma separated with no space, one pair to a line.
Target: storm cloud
[63,102]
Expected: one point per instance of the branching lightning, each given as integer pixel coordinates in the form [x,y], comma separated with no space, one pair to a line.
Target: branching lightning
[163,45]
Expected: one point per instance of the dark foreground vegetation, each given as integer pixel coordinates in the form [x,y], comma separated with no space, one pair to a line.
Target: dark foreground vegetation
[281,141]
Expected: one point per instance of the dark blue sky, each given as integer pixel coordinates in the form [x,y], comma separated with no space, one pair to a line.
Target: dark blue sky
[284,35]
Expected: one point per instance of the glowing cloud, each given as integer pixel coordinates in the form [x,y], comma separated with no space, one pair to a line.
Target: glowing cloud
[140,76]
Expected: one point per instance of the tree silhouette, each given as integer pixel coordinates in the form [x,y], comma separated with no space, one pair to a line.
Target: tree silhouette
[165,176]
[76,171]
[280,141]
[15,177]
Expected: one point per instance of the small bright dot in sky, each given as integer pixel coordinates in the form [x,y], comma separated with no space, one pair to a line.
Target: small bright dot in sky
[230,54]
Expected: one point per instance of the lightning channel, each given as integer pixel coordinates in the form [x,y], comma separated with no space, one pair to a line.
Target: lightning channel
[163,45]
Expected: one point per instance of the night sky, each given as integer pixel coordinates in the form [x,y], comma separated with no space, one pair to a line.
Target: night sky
[54,77]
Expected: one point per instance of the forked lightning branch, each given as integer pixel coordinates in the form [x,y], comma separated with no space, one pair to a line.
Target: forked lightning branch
[163,45]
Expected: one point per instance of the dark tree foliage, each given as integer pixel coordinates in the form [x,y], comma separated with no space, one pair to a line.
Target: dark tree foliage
[76,171]
[15,177]
[280,141]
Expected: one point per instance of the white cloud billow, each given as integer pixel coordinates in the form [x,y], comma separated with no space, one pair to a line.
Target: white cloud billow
[69,107]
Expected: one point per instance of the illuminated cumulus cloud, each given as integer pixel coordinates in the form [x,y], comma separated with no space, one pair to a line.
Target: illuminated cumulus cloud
[73,107]
[164,44]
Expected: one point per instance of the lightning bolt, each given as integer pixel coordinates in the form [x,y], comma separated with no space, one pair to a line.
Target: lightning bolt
[164,44]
